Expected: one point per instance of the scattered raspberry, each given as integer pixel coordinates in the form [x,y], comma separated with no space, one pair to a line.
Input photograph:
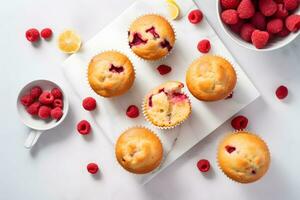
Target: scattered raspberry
[275,26]
[267,7]
[195,16]
[259,21]
[26,100]
[292,23]
[164,69]
[281,11]
[260,38]
[239,122]
[291,4]
[92,168]
[58,103]
[132,111]
[33,109]
[229,148]
[35,92]
[237,27]
[203,165]
[246,9]
[230,4]
[46,33]
[44,112]
[246,32]
[230,96]
[84,127]
[285,32]
[230,16]
[204,46]
[56,113]
[89,103]
[46,98]
[282,92]
[32,35]
[57,94]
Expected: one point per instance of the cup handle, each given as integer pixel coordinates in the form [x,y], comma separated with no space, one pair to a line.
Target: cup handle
[32,138]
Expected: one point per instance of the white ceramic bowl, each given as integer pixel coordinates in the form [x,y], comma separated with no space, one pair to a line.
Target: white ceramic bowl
[275,44]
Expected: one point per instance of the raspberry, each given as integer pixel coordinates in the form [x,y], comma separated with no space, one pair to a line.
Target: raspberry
[237,27]
[259,21]
[285,32]
[292,23]
[230,4]
[267,7]
[33,109]
[46,33]
[32,35]
[132,111]
[282,92]
[44,112]
[164,69]
[275,26]
[84,127]
[56,113]
[246,32]
[239,122]
[278,1]
[204,46]
[46,98]
[26,100]
[230,16]
[230,96]
[35,92]
[203,165]
[281,11]
[195,16]
[291,4]
[246,9]
[89,103]
[57,94]
[230,149]
[92,168]
[58,103]
[260,38]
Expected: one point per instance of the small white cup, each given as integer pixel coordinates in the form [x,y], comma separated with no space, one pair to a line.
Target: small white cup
[37,125]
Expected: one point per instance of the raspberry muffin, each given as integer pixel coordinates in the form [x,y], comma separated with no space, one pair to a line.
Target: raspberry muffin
[243,157]
[139,150]
[166,105]
[151,37]
[110,74]
[211,78]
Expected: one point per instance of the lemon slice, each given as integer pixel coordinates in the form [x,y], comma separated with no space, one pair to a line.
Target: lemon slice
[69,42]
[173,9]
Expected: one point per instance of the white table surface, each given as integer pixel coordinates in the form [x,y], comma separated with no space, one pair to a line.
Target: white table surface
[55,168]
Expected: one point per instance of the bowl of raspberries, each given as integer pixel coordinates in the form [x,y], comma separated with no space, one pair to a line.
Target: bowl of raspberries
[261,25]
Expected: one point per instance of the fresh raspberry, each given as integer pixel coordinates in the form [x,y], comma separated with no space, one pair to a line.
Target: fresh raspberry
[260,38]
[239,122]
[26,100]
[246,32]
[237,27]
[89,103]
[292,23]
[46,33]
[33,109]
[282,92]
[204,46]
[164,69]
[84,127]
[230,16]
[230,96]
[44,112]
[291,5]
[278,1]
[46,98]
[230,149]
[281,11]
[35,92]
[92,168]
[230,4]
[195,16]
[259,21]
[275,26]
[56,113]
[132,111]
[32,35]
[203,165]
[57,94]
[285,32]
[267,7]
[246,9]
[58,103]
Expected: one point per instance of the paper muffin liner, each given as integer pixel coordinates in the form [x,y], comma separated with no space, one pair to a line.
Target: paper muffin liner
[237,132]
[87,68]
[159,59]
[163,154]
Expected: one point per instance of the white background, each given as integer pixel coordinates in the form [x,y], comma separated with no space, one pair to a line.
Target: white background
[55,168]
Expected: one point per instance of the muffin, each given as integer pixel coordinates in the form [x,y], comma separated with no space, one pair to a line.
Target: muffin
[243,157]
[151,37]
[210,78]
[166,105]
[139,150]
[110,74]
